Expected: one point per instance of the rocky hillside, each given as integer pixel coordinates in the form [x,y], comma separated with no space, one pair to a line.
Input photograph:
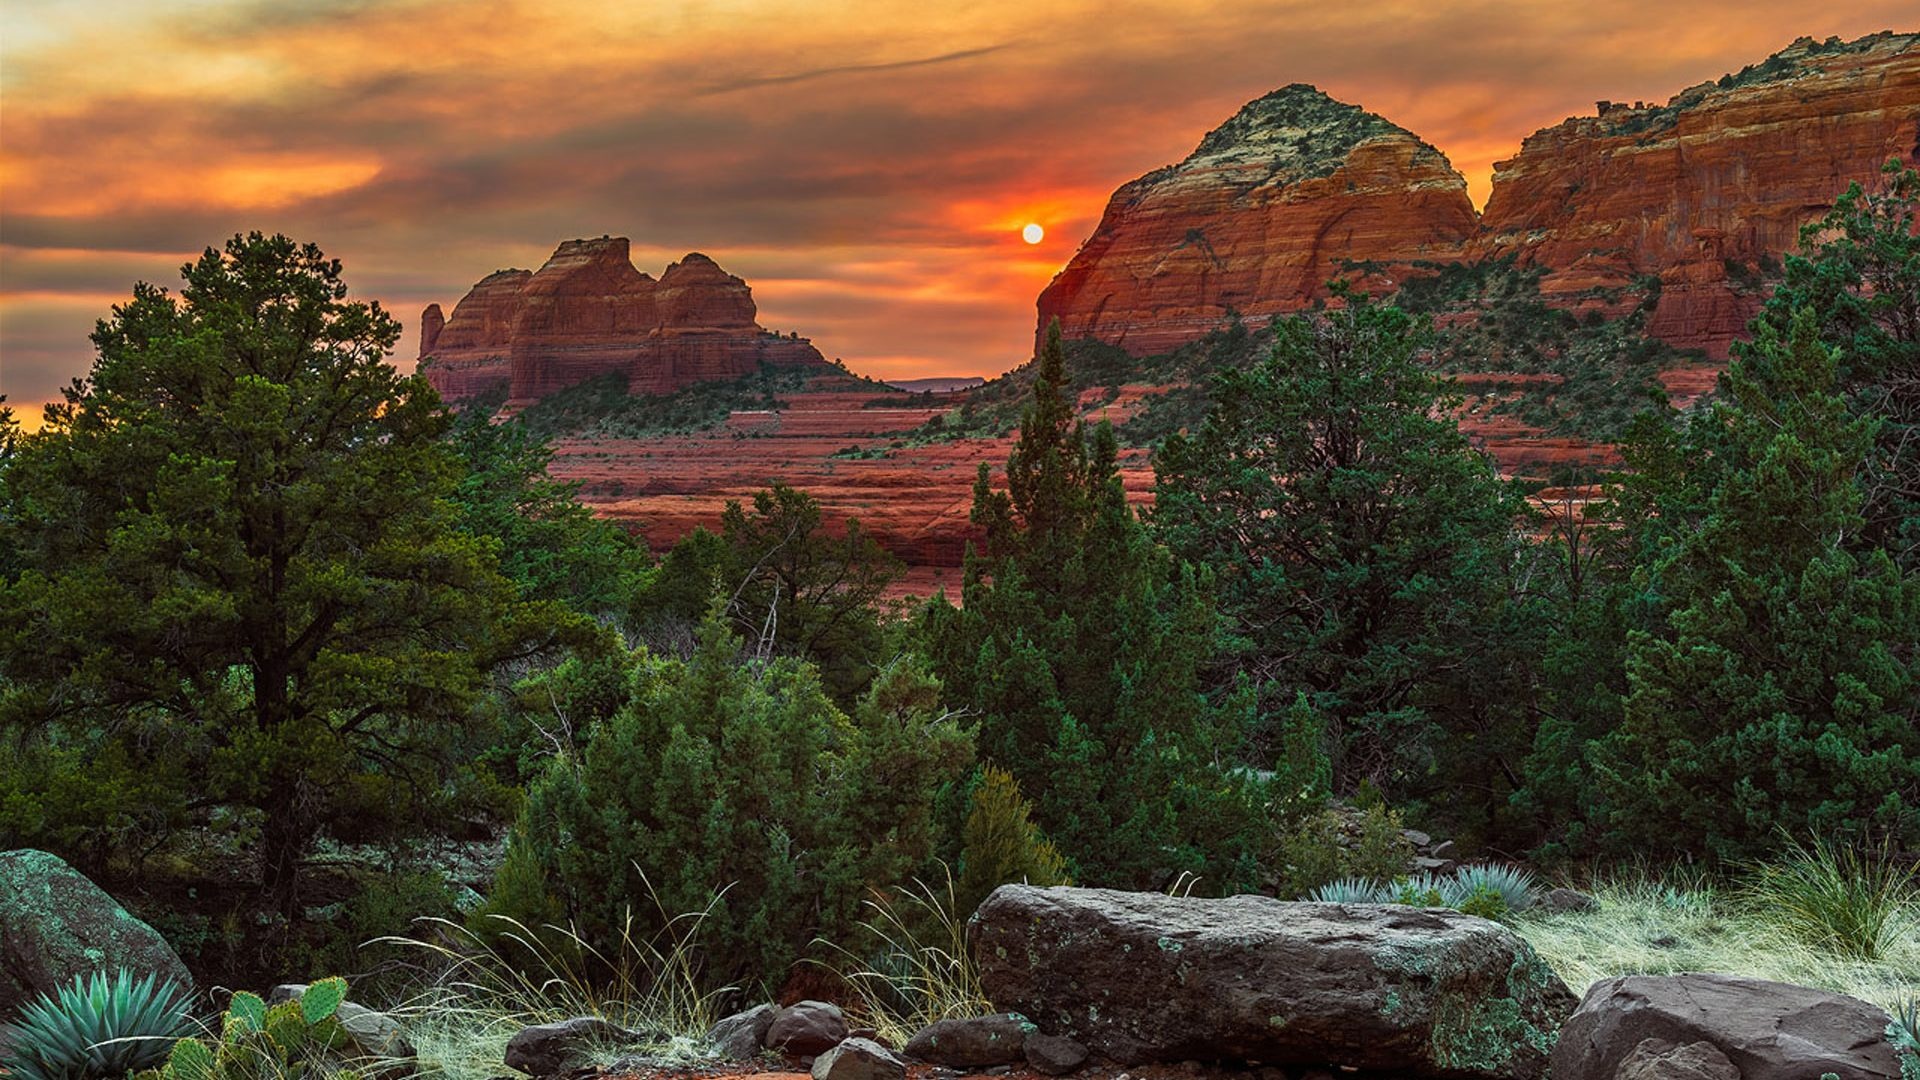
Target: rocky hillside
[1700,195]
[1254,220]
[589,313]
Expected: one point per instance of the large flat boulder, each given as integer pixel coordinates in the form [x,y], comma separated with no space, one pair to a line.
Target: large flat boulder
[55,924]
[1768,1030]
[1144,977]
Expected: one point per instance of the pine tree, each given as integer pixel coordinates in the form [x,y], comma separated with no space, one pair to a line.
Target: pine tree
[1080,646]
[1781,691]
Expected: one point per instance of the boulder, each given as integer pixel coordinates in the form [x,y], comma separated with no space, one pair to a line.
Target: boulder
[562,1046]
[55,925]
[1054,1055]
[976,1042]
[1145,977]
[1566,901]
[1657,1059]
[1767,1030]
[807,1028]
[742,1035]
[858,1059]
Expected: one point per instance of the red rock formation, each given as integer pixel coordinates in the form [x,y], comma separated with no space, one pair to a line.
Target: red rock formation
[588,312]
[1256,220]
[431,323]
[1722,175]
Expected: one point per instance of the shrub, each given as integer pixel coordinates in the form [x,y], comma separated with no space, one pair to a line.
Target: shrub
[98,1026]
[1513,886]
[1845,898]
[740,777]
[1328,846]
[1001,844]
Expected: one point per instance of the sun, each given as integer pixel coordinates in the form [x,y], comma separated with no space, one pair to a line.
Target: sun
[1033,233]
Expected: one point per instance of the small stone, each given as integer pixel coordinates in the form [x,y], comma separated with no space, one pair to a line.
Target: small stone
[859,1059]
[972,1043]
[741,1036]
[1442,850]
[1416,837]
[560,1047]
[807,1028]
[1055,1055]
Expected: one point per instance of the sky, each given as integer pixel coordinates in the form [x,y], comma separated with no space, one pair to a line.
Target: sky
[866,166]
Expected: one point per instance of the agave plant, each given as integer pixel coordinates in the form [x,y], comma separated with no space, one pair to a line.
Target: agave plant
[1904,1034]
[1513,885]
[1349,890]
[99,1025]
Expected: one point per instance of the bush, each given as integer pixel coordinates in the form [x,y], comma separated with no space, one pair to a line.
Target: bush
[284,1042]
[740,777]
[1848,899]
[1001,844]
[1328,846]
[98,1026]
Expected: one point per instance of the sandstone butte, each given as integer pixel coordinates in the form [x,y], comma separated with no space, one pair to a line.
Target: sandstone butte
[1700,193]
[587,312]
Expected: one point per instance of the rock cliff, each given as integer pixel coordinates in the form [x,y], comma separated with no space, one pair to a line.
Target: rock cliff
[1702,194]
[587,312]
[1256,220]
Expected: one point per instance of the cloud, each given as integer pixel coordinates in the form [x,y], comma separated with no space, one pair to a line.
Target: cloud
[863,164]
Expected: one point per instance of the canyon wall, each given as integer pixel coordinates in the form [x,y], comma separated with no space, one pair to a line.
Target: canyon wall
[588,312]
[1703,193]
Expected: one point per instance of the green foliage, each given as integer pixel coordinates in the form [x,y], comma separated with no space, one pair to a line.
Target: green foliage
[97,1026]
[551,546]
[1080,645]
[1776,688]
[1361,546]
[1859,273]
[1000,843]
[1488,890]
[1331,846]
[738,777]
[1904,1034]
[792,587]
[1851,900]
[240,558]
[916,969]
[288,1041]
[357,940]
[603,407]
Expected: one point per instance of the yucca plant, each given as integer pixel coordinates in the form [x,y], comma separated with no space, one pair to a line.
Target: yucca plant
[1904,1034]
[99,1025]
[1853,900]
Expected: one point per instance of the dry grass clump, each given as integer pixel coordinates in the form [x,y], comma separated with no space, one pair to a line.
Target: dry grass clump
[1782,925]
[917,968]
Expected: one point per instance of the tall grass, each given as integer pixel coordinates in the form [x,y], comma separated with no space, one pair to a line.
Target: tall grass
[1854,901]
[486,985]
[918,968]
[1681,920]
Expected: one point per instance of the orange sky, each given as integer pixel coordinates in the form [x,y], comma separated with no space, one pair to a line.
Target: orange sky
[866,166]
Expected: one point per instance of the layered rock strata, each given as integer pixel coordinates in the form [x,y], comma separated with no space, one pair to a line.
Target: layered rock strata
[588,312]
[1702,195]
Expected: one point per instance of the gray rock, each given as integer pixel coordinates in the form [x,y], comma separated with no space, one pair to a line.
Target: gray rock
[1145,977]
[1657,1059]
[564,1045]
[1767,1030]
[1417,838]
[807,1028]
[1054,1055]
[741,1036]
[975,1042]
[374,1034]
[859,1059]
[55,925]
[1566,901]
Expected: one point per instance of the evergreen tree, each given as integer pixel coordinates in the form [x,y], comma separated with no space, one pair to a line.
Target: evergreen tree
[1000,844]
[1080,645]
[1780,690]
[239,557]
[1363,550]
[1859,273]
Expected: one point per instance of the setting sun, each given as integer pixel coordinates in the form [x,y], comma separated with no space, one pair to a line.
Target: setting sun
[1033,233]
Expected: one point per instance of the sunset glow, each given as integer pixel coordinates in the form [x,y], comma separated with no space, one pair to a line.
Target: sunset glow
[865,166]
